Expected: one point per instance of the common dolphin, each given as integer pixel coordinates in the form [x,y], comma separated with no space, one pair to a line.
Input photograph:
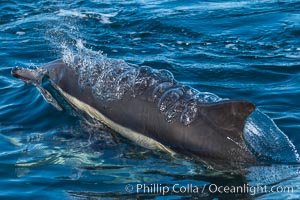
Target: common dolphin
[151,108]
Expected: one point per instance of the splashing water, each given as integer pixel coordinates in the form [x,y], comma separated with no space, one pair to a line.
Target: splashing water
[267,140]
[110,79]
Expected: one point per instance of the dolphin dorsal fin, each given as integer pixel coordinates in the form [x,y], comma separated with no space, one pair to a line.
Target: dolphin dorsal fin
[228,115]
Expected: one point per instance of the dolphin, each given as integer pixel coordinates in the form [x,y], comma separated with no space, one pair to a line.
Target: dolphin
[150,108]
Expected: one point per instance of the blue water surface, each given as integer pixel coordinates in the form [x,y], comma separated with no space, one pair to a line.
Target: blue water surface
[246,50]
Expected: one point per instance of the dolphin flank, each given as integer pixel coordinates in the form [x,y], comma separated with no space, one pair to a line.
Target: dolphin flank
[151,108]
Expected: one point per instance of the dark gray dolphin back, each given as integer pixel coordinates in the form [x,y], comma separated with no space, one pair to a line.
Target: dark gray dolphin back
[216,134]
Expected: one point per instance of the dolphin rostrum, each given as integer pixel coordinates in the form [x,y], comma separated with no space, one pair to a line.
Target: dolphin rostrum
[151,108]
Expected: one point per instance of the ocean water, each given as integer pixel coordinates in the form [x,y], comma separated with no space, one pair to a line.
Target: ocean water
[246,50]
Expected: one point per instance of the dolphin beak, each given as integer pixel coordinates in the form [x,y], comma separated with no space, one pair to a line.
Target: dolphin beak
[23,74]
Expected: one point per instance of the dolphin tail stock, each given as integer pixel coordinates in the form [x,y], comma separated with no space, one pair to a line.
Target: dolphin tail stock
[35,77]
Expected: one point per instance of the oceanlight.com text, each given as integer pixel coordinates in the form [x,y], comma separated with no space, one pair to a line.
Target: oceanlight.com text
[161,189]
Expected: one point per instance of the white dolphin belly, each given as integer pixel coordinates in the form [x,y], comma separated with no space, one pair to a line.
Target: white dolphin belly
[134,136]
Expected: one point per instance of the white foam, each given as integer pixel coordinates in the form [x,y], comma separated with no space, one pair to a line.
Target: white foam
[69,13]
[104,18]
[20,33]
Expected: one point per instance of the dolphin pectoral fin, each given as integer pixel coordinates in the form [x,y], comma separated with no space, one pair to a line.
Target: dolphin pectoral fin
[49,98]
[228,115]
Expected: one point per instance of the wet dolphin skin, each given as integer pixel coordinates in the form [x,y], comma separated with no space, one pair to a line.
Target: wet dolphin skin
[152,109]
